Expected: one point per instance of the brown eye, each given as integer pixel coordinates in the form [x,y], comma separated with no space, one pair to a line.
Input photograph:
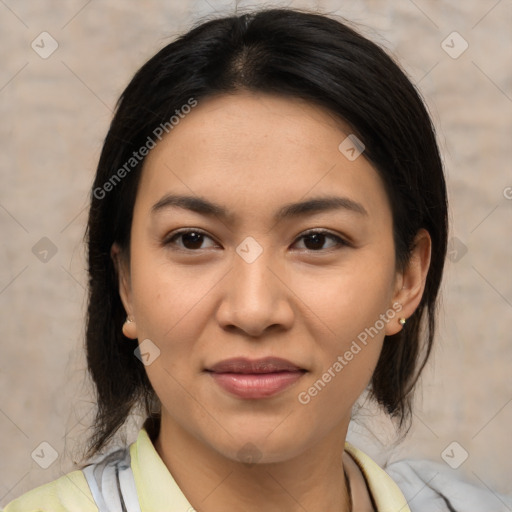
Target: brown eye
[314,240]
[192,239]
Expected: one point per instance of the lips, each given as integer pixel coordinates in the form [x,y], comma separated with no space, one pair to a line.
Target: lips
[266,365]
[255,379]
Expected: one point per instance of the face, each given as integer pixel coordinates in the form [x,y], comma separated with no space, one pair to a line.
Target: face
[255,277]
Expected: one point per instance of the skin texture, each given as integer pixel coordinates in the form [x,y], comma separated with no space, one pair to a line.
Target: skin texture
[303,300]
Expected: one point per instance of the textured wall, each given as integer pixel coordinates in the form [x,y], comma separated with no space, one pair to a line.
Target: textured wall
[54,115]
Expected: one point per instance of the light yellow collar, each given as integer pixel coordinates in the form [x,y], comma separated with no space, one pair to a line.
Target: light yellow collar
[387,495]
[157,489]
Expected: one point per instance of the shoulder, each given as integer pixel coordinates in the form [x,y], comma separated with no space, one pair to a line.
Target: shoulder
[429,485]
[83,490]
[68,493]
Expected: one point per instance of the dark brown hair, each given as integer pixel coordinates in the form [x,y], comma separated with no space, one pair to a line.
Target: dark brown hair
[294,54]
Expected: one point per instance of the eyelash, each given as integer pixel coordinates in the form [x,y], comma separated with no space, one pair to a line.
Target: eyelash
[340,242]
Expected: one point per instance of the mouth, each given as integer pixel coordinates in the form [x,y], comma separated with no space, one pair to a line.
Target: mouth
[255,379]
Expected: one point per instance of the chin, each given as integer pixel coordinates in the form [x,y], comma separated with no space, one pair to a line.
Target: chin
[253,447]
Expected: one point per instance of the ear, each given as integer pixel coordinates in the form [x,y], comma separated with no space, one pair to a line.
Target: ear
[410,282]
[125,292]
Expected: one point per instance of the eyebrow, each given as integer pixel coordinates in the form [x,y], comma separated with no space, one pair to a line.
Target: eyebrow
[210,209]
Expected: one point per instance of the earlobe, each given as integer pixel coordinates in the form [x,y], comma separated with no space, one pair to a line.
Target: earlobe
[123,274]
[129,328]
[411,282]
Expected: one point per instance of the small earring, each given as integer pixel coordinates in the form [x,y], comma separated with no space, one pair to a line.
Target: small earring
[402,321]
[127,327]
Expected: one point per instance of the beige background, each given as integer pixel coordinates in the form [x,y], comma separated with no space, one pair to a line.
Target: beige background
[54,116]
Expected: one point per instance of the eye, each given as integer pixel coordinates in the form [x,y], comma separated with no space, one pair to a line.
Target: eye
[314,240]
[191,239]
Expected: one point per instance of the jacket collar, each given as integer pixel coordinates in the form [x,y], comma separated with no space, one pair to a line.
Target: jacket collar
[157,489]
[385,492]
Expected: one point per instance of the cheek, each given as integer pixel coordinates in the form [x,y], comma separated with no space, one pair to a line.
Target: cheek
[172,309]
[352,309]
[166,297]
[350,299]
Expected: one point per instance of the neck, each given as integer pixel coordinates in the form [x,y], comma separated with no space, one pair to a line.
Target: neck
[312,481]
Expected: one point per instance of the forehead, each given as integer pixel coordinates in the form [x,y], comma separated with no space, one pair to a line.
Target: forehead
[251,151]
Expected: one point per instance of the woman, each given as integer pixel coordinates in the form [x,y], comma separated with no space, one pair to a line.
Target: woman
[214,308]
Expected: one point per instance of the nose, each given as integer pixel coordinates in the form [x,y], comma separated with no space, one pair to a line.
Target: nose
[256,297]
